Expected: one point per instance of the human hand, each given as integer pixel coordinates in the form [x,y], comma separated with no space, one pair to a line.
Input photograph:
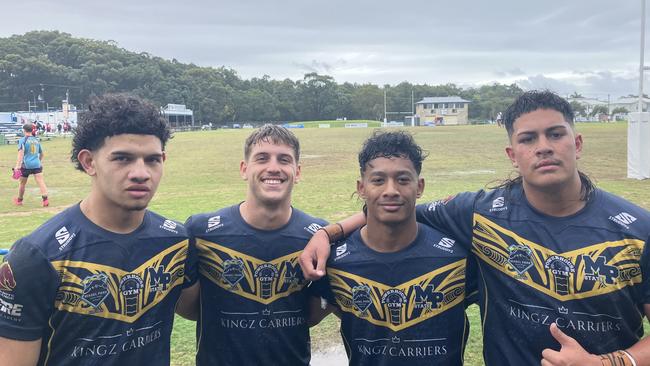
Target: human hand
[16,174]
[314,256]
[571,352]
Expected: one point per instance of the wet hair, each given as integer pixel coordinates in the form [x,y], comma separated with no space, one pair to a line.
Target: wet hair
[28,127]
[274,134]
[533,100]
[389,145]
[116,114]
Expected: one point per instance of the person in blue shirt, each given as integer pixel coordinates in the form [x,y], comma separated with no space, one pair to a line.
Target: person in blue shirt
[30,162]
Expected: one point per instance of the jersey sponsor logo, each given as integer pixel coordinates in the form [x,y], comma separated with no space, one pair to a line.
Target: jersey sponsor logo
[598,270]
[624,219]
[446,244]
[214,223]
[266,273]
[159,279]
[340,250]
[7,280]
[402,306]
[11,311]
[250,277]
[63,237]
[498,204]
[312,228]
[520,258]
[433,205]
[103,346]
[585,272]
[131,285]
[130,293]
[95,289]
[170,226]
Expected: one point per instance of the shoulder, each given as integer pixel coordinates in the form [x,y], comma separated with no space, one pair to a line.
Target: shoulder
[162,226]
[433,240]
[206,222]
[620,213]
[57,233]
[305,222]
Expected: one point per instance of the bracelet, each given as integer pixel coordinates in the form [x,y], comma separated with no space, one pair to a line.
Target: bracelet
[322,228]
[335,232]
[618,358]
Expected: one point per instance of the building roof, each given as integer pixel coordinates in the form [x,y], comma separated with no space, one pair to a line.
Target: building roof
[452,99]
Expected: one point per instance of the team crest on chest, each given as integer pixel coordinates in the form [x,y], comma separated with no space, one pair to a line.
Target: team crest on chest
[520,258]
[233,271]
[95,290]
[361,298]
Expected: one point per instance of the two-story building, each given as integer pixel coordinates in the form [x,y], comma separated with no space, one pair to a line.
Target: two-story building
[452,110]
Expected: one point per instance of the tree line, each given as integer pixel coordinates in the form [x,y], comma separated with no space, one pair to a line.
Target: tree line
[39,67]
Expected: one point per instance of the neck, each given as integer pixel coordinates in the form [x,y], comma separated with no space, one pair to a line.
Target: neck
[113,219]
[389,238]
[265,217]
[562,200]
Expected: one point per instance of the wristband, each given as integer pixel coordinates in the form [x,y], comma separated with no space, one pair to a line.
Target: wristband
[618,358]
[334,232]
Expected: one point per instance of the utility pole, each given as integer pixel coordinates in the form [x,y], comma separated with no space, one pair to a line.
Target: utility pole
[385,116]
[412,110]
[642,67]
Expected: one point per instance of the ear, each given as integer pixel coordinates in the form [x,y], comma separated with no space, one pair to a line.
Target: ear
[242,170]
[361,189]
[297,177]
[86,159]
[164,156]
[578,141]
[510,152]
[420,187]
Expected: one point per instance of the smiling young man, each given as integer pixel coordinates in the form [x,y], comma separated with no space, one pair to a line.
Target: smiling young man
[98,283]
[253,297]
[398,286]
[563,265]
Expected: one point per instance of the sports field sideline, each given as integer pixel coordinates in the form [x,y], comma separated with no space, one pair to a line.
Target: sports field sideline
[201,174]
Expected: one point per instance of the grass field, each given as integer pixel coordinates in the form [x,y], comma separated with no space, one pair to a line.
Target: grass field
[202,175]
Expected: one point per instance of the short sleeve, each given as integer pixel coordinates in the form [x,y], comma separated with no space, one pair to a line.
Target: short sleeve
[28,286]
[322,288]
[452,216]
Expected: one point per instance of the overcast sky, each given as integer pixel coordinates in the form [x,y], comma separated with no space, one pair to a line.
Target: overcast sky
[588,46]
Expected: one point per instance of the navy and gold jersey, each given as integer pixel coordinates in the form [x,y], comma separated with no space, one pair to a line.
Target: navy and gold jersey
[95,297]
[254,298]
[400,308]
[582,272]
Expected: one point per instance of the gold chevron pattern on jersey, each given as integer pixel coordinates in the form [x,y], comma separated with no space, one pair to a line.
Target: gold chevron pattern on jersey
[247,276]
[402,306]
[114,293]
[586,272]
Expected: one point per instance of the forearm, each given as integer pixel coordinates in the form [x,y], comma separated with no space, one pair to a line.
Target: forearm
[19,353]
[19,159]
[345,227]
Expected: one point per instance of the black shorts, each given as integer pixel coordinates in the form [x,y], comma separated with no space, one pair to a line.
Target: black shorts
[26,172]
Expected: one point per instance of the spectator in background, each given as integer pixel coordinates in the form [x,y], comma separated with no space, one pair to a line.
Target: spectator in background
[30,162]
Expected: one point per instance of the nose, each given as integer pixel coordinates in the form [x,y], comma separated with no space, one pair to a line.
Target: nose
[390,189]
[543,146]
[273,166]
[140,171]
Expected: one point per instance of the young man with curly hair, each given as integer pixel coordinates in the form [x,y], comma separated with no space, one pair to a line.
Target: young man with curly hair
[399,287]
[98,283]
[563,265]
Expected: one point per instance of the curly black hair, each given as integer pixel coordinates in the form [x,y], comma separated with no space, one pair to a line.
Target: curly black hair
[533,100]
[116,114]
[383,144]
